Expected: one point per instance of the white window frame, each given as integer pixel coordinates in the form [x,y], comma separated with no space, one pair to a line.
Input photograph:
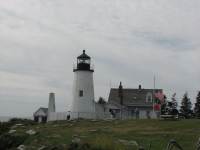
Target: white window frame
[147,97]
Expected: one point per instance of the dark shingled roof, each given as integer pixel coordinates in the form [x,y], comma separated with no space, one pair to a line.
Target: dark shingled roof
[83,55]
[129,94]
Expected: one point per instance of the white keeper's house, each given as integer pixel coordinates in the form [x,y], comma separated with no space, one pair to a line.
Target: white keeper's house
[142,99]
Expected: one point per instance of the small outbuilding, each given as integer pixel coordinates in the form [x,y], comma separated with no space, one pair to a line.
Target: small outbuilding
[41,115]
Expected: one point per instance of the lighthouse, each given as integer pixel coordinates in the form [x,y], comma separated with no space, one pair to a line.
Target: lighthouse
[82,99]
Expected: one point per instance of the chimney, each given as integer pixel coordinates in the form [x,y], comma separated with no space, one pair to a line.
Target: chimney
[139,87]
[120,93]
[51,107]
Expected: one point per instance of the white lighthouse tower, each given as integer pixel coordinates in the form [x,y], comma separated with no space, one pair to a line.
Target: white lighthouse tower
[82,90]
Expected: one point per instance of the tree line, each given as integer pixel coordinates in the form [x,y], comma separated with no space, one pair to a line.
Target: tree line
[171,106]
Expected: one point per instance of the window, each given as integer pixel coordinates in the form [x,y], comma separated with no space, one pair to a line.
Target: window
[135,97]
[80,93]
[148,97]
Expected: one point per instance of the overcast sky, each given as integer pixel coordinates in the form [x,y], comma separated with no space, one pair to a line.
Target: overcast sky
[129,41]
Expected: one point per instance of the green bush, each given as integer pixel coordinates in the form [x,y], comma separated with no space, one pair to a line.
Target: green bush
[5,126]
[22,121]
[73,146]
[9,141]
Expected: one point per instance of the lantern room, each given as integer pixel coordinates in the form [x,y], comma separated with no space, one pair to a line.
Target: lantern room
[83,63]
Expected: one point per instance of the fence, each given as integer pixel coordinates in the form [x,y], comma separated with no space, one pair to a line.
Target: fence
[98,115]
[86,115]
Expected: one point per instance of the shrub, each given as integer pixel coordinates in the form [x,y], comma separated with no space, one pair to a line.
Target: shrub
[5,126]
[73,146]
[9,141]
[22,121]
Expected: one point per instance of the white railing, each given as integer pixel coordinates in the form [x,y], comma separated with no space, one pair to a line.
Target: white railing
[94,115]
[73,115]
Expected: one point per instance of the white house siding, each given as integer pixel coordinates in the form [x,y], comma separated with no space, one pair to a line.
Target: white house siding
[83,80]
[143,113]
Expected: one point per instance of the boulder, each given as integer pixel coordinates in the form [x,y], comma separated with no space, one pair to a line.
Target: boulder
[19,124]
[31,132]
[41,148]
[94,130]
[128,142]
[11,131]
[13,127]
[76,140]
[21,147]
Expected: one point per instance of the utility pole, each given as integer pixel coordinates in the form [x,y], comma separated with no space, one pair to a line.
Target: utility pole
[110,83]
[153,96]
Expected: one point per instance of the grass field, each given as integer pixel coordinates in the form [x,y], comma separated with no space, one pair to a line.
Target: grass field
[185,132]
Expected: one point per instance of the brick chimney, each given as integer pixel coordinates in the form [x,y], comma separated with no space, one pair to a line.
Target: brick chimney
[120,93]
[139,87]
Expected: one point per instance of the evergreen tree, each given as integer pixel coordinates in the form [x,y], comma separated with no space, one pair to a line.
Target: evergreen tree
[197,105]
[101,101]
[186,106]
[164,106]
[173,105]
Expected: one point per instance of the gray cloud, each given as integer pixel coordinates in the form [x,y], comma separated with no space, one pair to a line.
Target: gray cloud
[129,41]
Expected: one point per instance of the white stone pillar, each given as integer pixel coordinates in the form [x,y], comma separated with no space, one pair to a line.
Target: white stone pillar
[51,106]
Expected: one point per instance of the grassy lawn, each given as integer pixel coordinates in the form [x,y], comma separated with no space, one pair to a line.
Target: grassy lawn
[185,132]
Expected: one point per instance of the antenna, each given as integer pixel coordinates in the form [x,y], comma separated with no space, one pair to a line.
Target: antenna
[110,83]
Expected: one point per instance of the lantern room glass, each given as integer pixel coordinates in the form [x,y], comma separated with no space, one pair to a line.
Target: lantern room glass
[83,60]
